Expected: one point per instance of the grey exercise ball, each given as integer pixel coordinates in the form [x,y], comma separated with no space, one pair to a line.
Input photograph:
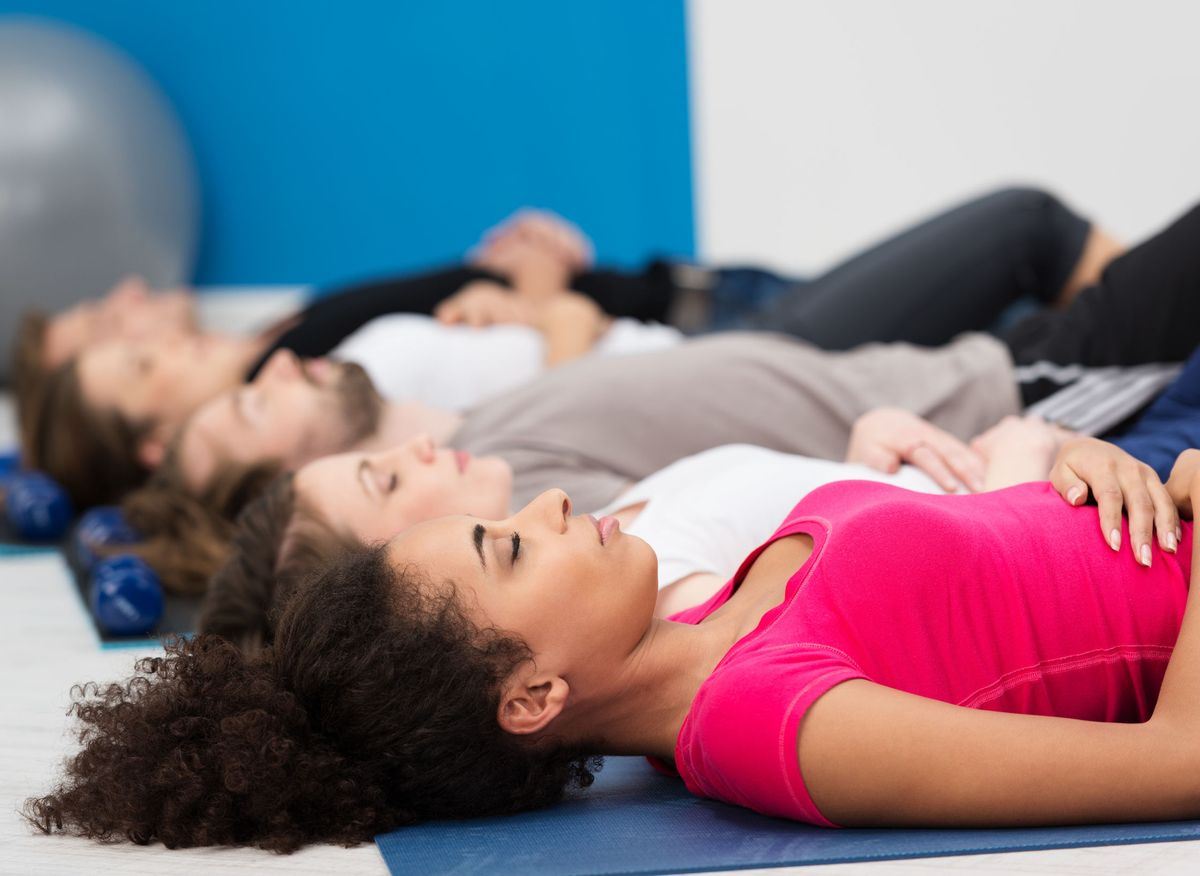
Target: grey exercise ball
[96,177]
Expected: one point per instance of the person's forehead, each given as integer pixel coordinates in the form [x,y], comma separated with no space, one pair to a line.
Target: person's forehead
[320,485]
[66,334]
[100,377]
[433,538]
[310,477]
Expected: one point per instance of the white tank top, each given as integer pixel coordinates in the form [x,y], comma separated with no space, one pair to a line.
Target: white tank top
[706,512]
[416,358]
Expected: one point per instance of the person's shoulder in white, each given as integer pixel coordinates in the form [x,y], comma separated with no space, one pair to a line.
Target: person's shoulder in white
[625,336]
[412,357]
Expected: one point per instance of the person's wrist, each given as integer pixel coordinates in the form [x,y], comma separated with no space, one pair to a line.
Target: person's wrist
[540,279]
[1043,445]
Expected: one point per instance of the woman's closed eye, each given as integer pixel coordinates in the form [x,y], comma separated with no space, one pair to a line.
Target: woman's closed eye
[376,483]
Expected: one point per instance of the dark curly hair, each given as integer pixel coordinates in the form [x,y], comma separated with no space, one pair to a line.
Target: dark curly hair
[375,708]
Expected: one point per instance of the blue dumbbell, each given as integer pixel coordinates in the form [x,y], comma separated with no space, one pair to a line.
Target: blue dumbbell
[99,528]
[126,597]
[36,507]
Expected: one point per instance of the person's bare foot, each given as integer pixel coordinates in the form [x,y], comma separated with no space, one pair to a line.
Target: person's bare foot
[1099,249]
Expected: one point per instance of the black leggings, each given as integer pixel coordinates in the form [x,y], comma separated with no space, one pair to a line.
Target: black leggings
[956,272]
[1144,309]
[953,273]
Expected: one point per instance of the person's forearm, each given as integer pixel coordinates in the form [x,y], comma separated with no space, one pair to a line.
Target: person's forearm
[539,281]
[568,339]
[1179,696]
[1017,465]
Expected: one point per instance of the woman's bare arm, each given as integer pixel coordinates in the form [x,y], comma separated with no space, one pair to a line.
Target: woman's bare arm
[874,756]
[1179,697]
[570,324]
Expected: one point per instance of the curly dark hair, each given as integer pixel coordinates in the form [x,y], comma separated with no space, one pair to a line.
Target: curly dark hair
[375,708]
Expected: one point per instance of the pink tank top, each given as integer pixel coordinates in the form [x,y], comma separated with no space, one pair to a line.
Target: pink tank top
[1008,601]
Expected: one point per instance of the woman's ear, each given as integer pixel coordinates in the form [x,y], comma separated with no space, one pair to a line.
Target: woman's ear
[529,704]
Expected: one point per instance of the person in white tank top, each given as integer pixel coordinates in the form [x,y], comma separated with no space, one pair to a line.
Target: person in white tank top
[454,367]
[705,513]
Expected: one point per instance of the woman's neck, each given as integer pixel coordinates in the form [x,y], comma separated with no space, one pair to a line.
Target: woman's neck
[643,707]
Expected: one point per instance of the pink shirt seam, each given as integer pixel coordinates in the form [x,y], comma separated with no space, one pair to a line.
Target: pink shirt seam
[1018,677]
[790,755]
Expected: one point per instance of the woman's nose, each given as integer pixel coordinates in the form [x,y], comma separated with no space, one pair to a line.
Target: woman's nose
[553,508]
[283,365]
[424,449]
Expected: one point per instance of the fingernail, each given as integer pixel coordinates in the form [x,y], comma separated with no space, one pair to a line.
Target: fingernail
[1172,544]
[1146,555]
[1073,495]
[1114,539]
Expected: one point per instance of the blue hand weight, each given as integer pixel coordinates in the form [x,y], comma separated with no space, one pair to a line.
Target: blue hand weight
[126,596]
[101,527]
[36,507]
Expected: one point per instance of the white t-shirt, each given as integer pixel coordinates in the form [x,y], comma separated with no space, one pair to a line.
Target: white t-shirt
[416,358]
[707,512]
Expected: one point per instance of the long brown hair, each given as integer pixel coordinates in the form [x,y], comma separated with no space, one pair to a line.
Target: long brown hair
[279,541]
[91,452]
[375,708]
[29,371]
[185,536]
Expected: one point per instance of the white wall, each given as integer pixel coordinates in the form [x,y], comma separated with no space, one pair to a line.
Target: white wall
[820,125]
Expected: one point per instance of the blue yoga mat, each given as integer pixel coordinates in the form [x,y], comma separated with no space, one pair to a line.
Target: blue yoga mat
[636,821]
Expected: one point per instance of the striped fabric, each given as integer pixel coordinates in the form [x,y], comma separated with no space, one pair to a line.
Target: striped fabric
[1093,400]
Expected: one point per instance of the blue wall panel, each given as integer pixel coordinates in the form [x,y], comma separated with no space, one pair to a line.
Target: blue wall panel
[343,139]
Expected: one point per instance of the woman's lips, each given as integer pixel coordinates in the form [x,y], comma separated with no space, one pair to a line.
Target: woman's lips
[607,527]
[462,459]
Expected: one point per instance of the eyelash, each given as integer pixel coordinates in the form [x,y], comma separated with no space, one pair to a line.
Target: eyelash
[516,544]
[393,482]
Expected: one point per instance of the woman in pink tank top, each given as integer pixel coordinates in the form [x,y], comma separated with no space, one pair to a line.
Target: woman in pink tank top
[886,658]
